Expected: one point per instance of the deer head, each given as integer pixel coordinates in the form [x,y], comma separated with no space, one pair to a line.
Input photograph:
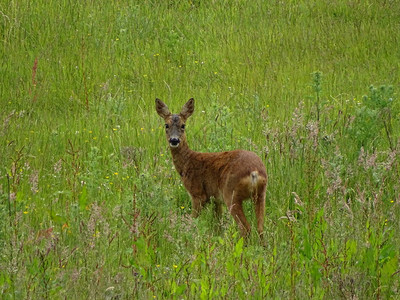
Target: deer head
[175,123]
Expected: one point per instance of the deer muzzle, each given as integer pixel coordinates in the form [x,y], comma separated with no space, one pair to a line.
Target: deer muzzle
[174,142]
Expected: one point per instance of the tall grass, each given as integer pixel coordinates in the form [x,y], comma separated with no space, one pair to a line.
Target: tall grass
[90,205]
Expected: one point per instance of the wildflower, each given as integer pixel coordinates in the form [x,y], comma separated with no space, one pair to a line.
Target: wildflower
[313,129]
[175,266]
[182,207]
[57,166]
[34,181]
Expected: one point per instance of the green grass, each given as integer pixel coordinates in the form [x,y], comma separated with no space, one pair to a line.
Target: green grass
[90,206]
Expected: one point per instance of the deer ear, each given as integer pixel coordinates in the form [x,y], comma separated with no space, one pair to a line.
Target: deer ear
[162,109]
[187,109]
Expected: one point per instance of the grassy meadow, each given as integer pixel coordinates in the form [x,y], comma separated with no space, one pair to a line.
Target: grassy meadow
[90,204]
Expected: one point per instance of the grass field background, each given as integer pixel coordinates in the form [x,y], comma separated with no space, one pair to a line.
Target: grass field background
[90,205]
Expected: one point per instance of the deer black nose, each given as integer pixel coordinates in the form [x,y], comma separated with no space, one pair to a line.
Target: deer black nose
[174,142]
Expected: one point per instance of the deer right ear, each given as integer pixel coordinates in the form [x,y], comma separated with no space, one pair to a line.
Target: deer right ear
[162,109]
[187,109]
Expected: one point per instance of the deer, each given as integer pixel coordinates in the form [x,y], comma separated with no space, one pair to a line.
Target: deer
[228,177]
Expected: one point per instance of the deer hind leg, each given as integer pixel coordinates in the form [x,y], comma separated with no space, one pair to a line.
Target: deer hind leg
[234,203]
[259,203]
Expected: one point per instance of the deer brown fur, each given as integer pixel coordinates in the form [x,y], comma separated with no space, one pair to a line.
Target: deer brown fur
[229,177]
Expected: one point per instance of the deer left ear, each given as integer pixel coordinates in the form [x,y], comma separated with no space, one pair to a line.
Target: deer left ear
[162,109]
[187,109]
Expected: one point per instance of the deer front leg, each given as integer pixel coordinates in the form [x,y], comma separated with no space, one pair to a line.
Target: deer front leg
[218,207]
[197,205]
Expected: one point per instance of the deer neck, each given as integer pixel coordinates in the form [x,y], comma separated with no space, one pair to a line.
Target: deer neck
[180,156]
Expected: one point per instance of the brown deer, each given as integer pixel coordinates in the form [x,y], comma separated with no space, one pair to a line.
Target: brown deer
[231,176]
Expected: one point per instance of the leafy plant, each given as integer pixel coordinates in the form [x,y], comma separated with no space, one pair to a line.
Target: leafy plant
[374,116]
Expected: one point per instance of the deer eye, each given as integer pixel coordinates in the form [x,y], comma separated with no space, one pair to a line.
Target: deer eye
[166,126]
[183,126]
